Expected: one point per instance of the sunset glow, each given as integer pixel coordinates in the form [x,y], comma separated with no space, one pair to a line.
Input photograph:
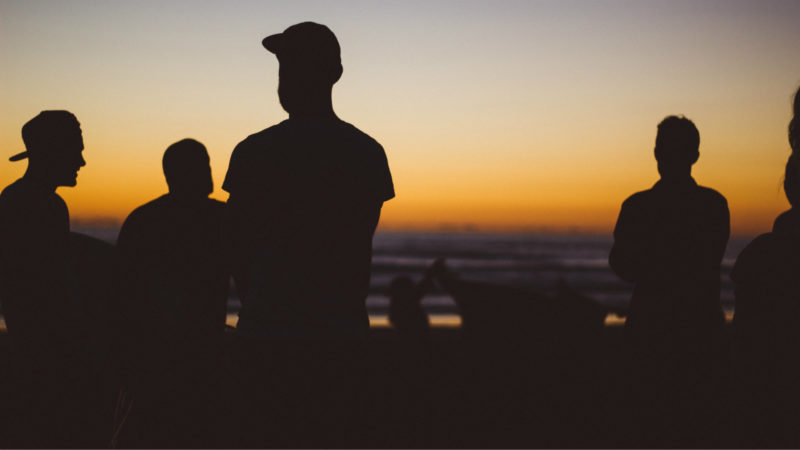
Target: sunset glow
[494,116]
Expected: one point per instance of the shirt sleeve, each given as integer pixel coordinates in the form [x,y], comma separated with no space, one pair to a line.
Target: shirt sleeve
[384,186]
[237,170]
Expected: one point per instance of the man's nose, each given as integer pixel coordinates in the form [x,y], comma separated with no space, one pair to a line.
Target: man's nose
[83,161]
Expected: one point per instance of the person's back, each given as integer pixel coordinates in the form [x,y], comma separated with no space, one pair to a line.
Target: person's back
[669,241]
[171,253]
[306,196]
[174,281]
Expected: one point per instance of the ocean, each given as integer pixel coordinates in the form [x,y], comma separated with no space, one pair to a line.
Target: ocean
[529,261]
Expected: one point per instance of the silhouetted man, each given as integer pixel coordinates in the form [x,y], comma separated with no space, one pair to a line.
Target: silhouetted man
[305,198]
[171,251]
[38,292]
[669,241]
[174,279]
[34,231]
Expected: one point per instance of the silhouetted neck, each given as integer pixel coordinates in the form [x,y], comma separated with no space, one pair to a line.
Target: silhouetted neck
[35,178]
[188,198]
[683,180]
[316,114]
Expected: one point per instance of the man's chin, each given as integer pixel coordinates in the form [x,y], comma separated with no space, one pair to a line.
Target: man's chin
[70,182]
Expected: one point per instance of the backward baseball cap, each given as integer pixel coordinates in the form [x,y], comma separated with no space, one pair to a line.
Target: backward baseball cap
[307,40]
[47,132]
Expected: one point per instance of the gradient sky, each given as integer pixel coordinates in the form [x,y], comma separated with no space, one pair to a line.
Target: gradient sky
[494,115]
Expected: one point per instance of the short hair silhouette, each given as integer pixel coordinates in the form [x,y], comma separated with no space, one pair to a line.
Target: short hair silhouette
[48,132]
[677,142]
[186,168]
[310,64]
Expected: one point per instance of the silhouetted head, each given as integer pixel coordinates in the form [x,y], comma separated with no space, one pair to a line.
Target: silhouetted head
[677,147]
[187,169]
[53,147]
[310,64]
[791,179]
[401,289]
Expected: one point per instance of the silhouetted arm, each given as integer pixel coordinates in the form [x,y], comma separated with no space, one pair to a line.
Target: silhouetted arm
[625,257]
[723,230]
[237,223]
[237,234]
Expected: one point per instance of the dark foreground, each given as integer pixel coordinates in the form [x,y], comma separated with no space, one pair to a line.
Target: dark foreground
[449,392]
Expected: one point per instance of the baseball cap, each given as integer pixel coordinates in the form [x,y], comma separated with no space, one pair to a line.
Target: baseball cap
[48,131]
[306,40]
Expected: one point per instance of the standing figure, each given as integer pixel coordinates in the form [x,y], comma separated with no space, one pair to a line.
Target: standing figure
[43,312]
[669,241]
[766,334]
[305,199]
[173,279]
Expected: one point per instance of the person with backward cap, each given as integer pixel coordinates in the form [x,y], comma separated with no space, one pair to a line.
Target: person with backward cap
[305,199]
[45,318]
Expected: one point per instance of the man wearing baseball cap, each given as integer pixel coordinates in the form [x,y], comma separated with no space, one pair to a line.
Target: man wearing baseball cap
[37,292]
[305,198]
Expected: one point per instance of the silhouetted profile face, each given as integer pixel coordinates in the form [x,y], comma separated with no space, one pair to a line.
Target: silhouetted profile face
[677,145]
[310,65]
[54,148]
[187,169]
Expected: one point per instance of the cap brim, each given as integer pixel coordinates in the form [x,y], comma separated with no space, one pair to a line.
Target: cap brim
[18,156]
[273,43]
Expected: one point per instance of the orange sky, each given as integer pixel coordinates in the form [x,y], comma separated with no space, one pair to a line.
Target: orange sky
[534,116]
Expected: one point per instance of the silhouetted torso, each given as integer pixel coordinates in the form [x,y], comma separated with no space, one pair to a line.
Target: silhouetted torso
[767,277]
[306,196]
[173,267]
[669,241]
[38,298]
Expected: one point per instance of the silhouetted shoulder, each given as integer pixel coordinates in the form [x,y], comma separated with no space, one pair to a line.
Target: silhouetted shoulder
[151,214]
[712,196]
[241,170]
[260,162]
[639,198]
[375,156]
[753,263]
[33,208]
[21,193]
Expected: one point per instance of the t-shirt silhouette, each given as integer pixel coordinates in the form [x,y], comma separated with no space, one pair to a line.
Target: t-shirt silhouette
[173,266]
[37,292]
[669,241]
[306,194]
